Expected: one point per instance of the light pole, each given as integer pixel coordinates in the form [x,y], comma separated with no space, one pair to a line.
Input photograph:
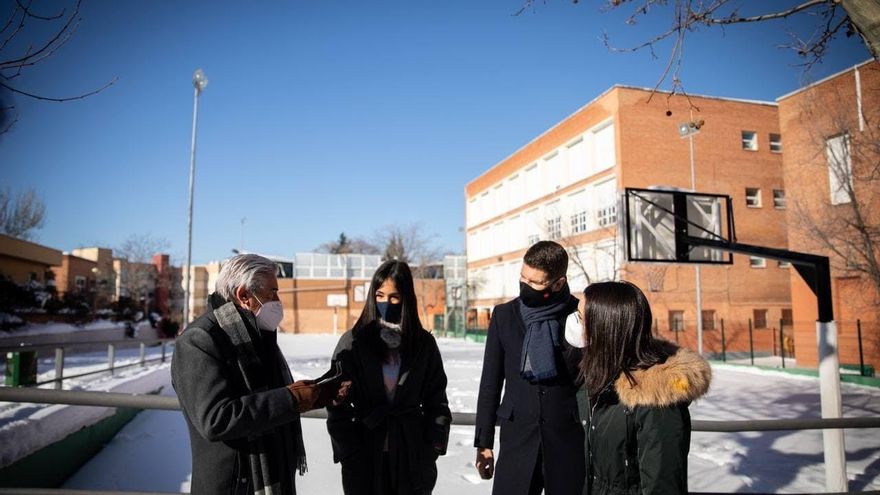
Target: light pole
[688,129]
[199,83]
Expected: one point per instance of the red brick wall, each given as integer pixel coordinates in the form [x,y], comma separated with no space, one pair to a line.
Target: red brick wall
[807,118]
[306,310]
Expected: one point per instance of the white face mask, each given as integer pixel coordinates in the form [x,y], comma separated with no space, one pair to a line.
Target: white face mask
[269,315]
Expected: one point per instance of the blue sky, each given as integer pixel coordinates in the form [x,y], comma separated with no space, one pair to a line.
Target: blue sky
[330,116]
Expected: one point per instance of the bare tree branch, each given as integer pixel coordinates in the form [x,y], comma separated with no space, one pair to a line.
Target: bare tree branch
[734,19]
[15,32]
[13,65]
[27,11]
[30,60]
[70,98]
[22,215]
[8,23]
[51,41]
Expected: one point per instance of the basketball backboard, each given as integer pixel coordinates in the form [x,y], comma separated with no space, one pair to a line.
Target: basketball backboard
[659,221]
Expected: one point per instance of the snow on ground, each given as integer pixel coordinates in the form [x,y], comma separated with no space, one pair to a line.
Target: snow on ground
[152,452]
[25,427]
[56,328]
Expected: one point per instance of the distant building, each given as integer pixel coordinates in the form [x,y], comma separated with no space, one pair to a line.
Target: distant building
[24,261]
[566,184]
[318,290]
[76,276]
[103,273]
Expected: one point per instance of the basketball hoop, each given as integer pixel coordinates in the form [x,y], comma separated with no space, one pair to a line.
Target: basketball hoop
[656,275]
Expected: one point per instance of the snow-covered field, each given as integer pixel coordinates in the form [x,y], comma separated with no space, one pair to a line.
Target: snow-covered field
[25,428]
[152,452]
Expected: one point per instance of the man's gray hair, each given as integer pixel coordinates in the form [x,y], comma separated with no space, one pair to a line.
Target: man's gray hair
[244,270]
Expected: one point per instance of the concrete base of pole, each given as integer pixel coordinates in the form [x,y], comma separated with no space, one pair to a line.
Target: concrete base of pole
[829,391]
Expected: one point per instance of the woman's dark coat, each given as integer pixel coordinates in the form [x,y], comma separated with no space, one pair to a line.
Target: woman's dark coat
[533,418]
[416,422]
[638,435]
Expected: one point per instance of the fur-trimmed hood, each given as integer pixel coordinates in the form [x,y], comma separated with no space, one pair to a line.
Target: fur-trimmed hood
[683,377]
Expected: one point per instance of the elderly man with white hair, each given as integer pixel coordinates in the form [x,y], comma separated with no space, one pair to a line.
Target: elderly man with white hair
[236,391]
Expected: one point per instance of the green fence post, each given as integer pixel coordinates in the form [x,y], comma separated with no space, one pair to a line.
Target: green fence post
[751,344]
[723,344]
[861,356]
[781,344]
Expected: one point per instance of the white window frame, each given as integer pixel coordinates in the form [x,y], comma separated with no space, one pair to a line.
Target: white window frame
[580,222]
[597,166]
[606,216]
[756,262]
[554,228]
[531,183]
[838,193]
[749,140]
[79,281]
[753,201]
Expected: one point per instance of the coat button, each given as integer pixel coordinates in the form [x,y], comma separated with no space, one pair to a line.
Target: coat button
[594,427]
[584,422]
[543,392]
[243,481]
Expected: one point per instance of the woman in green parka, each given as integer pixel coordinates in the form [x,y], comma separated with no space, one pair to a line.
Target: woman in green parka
[637,391]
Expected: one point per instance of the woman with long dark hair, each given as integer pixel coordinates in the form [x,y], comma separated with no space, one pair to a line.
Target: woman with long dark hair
[638,389]
[395,422]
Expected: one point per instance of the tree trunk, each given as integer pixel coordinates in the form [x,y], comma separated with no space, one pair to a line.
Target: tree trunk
[865,16]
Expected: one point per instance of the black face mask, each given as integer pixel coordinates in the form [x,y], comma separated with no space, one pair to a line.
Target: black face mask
[389,312]
[534,298]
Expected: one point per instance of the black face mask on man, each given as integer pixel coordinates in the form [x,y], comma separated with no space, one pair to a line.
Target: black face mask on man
[535,298]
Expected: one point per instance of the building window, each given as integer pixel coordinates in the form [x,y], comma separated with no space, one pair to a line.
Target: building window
[554,228]
[757,262]
[753,197]
[676,321]
[533,239]
[607,216]
[80,282]
[837,152]
[787,317]
[579,222]
[760,318]
[750,140]
[708,319]
[776,143]
[779,199]
[784,264]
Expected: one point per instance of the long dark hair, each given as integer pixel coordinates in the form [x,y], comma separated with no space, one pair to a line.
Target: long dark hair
[617,321]
[400,274]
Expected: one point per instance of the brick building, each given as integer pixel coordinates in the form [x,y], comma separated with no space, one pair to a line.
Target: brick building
[76,275]
[104,275]
[831,163]
[565,185]
[319,289]
[24,261]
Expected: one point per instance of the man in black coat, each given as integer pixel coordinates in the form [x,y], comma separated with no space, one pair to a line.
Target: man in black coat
[235,388]
[528,356]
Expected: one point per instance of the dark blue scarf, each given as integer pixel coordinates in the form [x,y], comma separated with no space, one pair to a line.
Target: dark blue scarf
[538,361]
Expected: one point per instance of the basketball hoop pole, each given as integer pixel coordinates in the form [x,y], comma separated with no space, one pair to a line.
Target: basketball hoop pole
[816,272]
